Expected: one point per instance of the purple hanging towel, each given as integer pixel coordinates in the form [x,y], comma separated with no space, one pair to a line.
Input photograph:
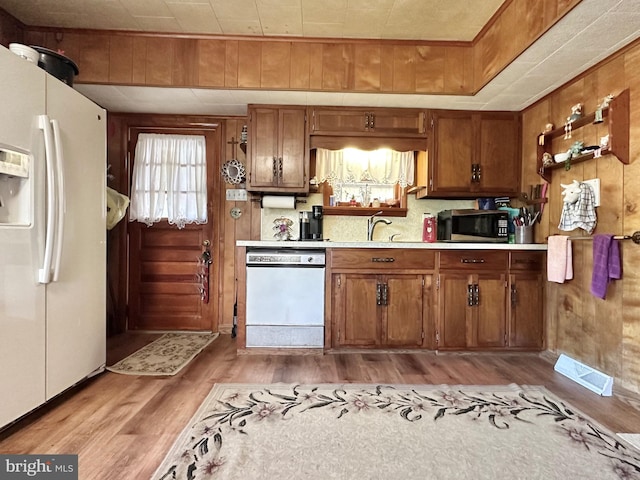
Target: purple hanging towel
[606,263]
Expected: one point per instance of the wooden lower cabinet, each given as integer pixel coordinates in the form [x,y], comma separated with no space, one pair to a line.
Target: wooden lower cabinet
[526,300]
[444,300]
[372,310]
[471,310]
[356,311]
[403,312]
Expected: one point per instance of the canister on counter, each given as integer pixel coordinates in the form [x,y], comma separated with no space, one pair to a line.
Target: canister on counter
[428,228]
[305,232]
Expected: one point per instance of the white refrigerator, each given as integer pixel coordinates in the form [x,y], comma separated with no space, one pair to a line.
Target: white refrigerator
[52,237]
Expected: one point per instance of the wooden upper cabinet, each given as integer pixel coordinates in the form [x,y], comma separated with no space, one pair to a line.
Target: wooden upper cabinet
[387,122]
[451,152]
[471,154]
[499,154]
[277,150]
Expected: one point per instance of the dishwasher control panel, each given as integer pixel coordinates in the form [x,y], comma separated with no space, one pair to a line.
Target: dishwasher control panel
[286,257]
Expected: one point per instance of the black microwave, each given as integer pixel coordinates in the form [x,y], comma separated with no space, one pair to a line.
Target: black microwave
[468,225]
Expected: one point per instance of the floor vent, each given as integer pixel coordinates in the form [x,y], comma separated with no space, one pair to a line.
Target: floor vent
[584,375]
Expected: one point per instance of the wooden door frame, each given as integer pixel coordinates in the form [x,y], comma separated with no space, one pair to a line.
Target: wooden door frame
[214,184]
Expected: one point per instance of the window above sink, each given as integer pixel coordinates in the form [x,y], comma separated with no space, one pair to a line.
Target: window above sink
[362,182]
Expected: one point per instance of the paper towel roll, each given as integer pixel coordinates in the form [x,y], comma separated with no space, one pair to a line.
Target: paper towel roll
[275,201]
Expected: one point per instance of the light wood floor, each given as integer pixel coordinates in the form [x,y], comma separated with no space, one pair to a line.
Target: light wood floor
[121,426]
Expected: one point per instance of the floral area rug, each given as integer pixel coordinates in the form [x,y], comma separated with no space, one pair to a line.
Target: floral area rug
[394,432]
[165,356]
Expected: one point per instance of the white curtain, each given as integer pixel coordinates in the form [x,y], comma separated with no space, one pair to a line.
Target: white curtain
[350,165]
[169,179]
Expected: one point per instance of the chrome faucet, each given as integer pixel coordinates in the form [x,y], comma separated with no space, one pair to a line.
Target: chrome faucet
[371,224]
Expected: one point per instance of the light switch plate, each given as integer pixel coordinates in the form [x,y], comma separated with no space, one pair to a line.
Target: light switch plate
[595,185]
[236,194]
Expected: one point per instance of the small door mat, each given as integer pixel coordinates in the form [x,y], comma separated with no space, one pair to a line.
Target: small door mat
[165,356]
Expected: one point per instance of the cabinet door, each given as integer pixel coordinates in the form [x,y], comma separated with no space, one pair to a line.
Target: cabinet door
[262,147]
[403,313]
[453,309]
[292,155]
[488,327]
[472,310]
[277,150]
[499,154]
[357,315]
[526,312]
[397,122]
[329,121]
[386,122]
[452,153]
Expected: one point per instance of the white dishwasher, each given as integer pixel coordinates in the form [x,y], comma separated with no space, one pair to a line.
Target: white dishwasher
[285,298]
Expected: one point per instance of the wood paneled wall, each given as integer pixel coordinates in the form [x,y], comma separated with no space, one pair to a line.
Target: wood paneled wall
[514,28]
[602,333]
[246,227]
[303,64]
[11,30]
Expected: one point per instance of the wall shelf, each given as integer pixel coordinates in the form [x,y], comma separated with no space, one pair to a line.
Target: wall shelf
[615,117]
[365,211]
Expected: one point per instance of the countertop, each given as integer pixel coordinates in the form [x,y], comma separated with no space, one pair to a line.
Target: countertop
[364,244]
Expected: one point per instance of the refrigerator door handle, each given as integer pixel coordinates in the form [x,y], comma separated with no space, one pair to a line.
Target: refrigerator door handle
[44,274]
[61,207]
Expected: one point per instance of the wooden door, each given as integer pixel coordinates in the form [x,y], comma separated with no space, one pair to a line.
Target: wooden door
[357,315]
[526,312]
[403,320]
[165,272]
[293,151]
[488,325]
[499,154]
[452,146]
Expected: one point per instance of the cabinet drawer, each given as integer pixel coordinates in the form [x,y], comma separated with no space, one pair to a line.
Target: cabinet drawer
[382,259]
[528,261]
[474,260]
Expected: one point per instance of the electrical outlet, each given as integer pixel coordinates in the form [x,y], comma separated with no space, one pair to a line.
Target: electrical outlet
[595,185]
[236,194]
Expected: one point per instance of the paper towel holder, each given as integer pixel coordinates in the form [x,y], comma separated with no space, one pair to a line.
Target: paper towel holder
[259,199]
